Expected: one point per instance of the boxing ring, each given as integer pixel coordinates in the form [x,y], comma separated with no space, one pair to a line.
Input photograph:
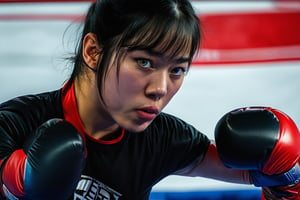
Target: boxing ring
[250,56]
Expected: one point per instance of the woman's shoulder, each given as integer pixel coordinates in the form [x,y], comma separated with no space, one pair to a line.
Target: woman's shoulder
[169,124]
[31,98]
[46,102]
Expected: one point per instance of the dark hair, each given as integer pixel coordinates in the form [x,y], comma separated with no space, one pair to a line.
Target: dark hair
[171,26]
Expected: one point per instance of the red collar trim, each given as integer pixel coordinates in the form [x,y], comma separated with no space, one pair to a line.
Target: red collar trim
[71,114]
[114,141]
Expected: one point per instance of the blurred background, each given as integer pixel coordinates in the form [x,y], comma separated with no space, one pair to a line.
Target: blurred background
[249,56]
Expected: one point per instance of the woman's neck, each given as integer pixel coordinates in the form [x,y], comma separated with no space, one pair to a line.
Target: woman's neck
[97,122]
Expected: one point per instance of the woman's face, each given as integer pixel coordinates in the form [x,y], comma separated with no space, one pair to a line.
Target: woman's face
[146,83]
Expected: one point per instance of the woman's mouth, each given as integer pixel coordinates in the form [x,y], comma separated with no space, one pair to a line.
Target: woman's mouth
[147,113]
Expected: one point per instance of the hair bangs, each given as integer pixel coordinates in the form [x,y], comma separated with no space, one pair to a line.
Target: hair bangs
[171,37]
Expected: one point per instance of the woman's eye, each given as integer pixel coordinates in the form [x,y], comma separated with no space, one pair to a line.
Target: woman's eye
[178,71]
[144,62]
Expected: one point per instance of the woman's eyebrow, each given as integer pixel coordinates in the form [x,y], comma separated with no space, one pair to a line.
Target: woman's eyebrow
[183,60]
[177,60]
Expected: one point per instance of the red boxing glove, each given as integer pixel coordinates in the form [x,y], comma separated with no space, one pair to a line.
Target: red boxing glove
[267,143]
[282,159]
[48,166]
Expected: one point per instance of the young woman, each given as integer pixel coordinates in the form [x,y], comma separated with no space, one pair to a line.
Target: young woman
[131,60]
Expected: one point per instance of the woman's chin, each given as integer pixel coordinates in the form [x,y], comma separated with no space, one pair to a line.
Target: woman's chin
[137,127]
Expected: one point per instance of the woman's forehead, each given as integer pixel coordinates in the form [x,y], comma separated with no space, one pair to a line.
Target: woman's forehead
[174,48]
[169,37]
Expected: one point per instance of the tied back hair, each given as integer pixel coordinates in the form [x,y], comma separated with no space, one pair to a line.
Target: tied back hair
[168,26]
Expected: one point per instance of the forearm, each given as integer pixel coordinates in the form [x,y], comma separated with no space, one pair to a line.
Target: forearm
[212,167]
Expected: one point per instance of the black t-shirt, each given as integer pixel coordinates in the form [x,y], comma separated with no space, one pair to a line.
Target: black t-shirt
[126,169]
[129,168]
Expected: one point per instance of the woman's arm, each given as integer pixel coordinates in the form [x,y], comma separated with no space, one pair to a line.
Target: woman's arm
[212,167]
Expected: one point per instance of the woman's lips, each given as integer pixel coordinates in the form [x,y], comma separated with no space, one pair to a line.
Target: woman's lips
[147,113]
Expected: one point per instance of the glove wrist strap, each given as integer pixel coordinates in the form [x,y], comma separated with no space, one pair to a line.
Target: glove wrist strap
[290,177]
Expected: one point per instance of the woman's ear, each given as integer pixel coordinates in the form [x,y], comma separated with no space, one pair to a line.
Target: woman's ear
[90,50]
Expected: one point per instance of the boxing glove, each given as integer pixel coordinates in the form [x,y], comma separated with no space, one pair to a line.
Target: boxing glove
[48,166]
[266,142]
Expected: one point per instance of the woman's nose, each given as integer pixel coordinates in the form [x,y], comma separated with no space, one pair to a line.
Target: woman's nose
[158,86]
